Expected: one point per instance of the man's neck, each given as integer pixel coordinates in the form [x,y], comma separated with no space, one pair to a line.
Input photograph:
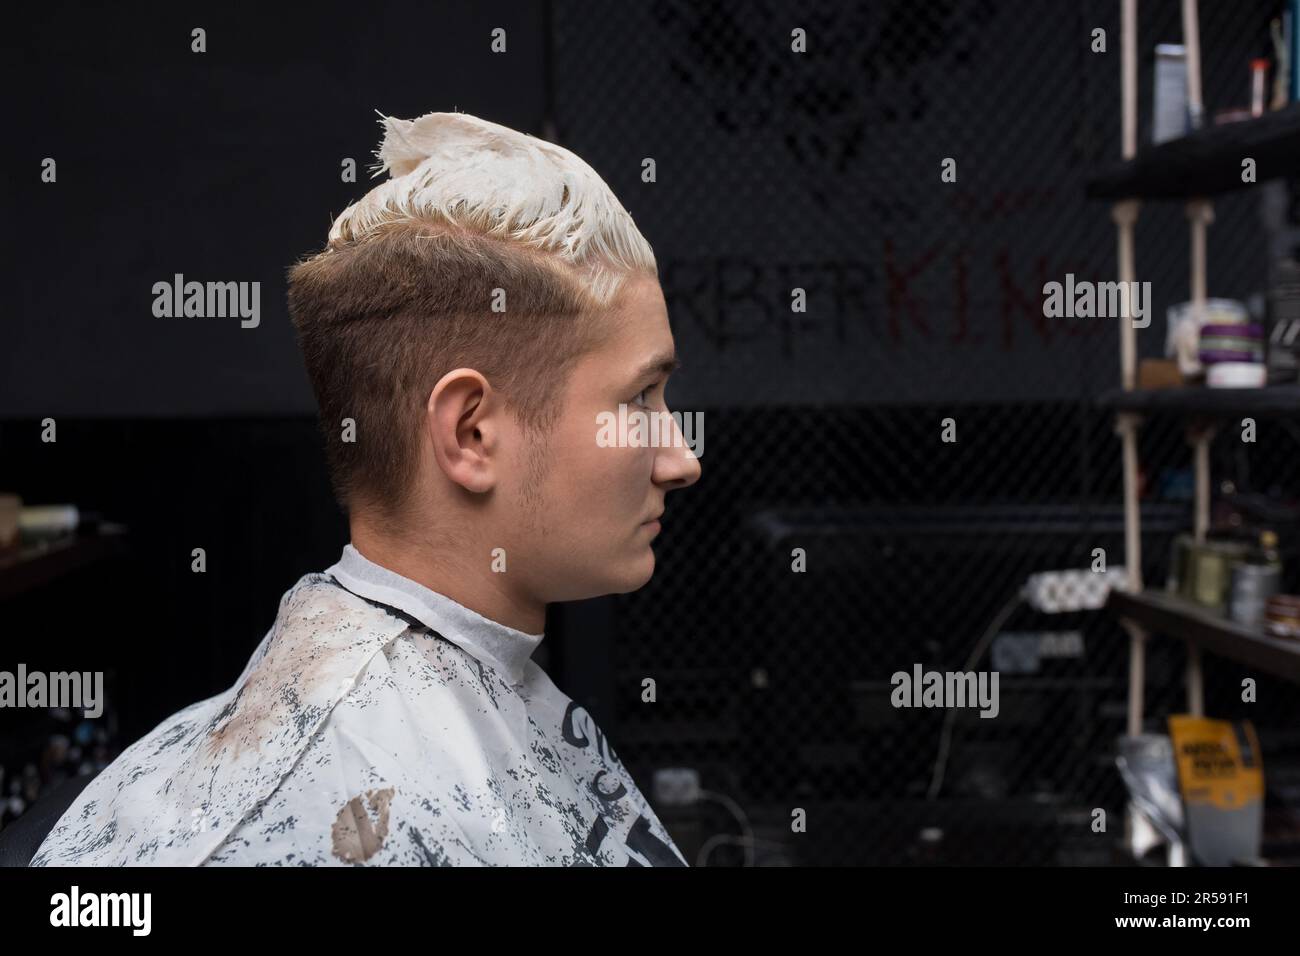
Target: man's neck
[479,590]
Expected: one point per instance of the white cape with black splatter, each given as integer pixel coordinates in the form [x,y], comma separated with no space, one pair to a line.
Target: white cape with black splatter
[376,732]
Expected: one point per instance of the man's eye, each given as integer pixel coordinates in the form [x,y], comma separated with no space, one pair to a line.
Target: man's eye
[642,397]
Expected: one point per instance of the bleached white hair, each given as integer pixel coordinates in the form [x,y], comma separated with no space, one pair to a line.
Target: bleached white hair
[462,170]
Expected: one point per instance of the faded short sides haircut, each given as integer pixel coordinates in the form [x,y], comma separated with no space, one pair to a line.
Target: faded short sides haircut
[474,214]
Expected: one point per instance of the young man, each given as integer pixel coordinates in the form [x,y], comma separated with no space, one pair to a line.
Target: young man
[467,327]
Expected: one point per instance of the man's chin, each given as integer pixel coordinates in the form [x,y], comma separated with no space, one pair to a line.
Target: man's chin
[631,575]
[637,575]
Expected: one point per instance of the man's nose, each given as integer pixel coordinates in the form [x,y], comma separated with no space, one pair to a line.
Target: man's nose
[676,464]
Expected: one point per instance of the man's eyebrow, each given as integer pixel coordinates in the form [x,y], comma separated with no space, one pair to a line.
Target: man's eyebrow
[664,364]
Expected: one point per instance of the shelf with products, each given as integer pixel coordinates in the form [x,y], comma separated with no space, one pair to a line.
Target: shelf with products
[1159,612]
[1195,167]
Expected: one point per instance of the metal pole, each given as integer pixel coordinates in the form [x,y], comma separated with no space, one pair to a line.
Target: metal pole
[1201,213]
[1200,436]
[1125,214]
[1136,675]
[1128,75]
[1126,426]
[1192,41]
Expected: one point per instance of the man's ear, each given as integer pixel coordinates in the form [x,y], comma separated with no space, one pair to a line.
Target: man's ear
[462,424]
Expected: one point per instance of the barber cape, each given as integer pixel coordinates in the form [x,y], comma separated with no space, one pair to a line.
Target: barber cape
[379,723]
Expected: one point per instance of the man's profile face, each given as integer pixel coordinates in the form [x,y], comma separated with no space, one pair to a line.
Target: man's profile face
[589,521]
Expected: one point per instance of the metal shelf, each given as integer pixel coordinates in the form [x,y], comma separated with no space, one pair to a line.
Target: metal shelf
[1207,161]
[31,566]
[1280,400]
[1169,614]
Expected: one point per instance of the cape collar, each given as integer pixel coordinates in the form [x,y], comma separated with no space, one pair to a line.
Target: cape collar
[502,648]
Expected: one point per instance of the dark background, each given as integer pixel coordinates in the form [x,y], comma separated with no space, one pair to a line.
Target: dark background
[774,170]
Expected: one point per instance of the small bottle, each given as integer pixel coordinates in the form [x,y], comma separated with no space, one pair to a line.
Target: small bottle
[1254,580]
[1268,553]
[1258,69]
